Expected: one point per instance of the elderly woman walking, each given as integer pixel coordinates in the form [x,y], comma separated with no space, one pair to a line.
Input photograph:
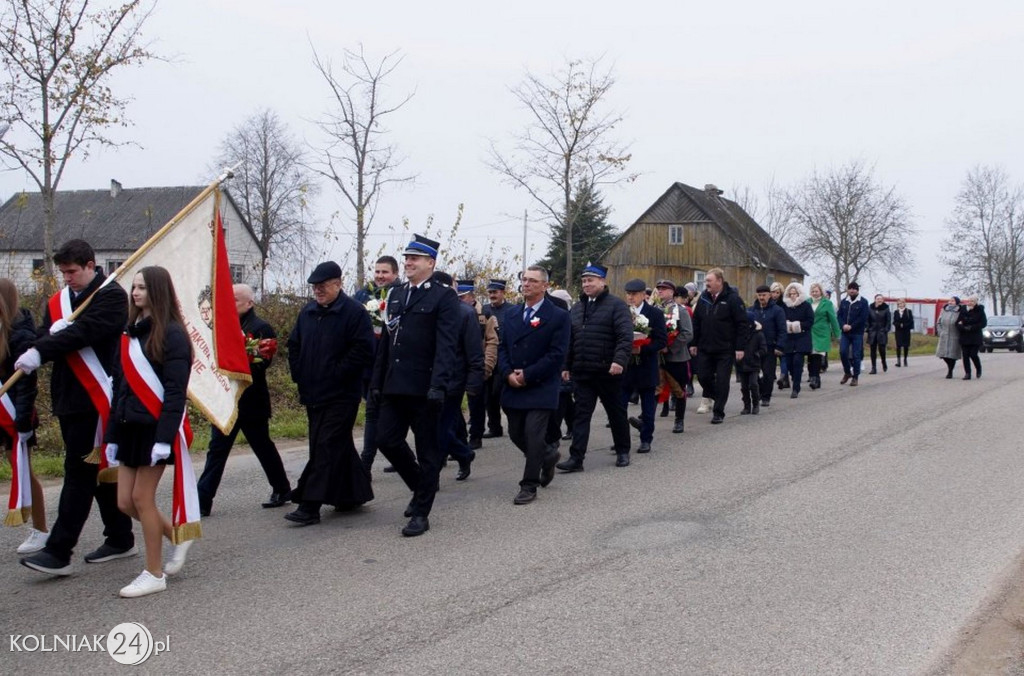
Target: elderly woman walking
[971,321]
[825,328]
[799,320]
[948,349]
[902,325]
[879,325]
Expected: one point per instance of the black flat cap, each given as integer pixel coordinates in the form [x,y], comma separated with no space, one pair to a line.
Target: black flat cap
[324,271]
[635,285]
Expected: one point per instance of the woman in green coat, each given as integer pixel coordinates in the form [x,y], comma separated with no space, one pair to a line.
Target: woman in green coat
[825,327]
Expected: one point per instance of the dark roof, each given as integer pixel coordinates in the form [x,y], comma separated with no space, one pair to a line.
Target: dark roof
[682,203]
[120,223]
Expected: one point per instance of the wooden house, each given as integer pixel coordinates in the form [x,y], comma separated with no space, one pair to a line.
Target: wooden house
[688,231]
[115,222]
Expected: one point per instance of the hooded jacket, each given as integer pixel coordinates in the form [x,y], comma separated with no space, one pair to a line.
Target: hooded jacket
[799,320]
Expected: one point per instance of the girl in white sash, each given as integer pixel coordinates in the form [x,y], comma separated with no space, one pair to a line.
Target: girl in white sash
[141,442]
[17,333]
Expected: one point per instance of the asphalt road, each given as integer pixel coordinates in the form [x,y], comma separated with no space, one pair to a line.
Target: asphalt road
[850,531]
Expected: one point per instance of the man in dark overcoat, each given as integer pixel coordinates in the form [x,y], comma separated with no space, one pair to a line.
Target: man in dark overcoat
[720,333]
[412,375]
[531,353]
[331,344]
[642,372]
[253,418]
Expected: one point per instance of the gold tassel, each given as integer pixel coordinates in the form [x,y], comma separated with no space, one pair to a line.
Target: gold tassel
[15,517]
[186,531]
[95,457]
[107,476]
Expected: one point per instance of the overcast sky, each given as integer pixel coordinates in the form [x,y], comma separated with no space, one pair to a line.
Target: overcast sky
[731,93]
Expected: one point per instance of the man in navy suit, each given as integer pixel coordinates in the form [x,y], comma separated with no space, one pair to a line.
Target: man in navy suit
[642,372]
[534,340]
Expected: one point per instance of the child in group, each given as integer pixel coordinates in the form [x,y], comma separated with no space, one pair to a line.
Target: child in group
[749,368]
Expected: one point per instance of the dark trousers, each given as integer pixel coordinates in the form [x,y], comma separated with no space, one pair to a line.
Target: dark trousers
[80,489]
[369,452]
[814,365]
[419,470]
[680,372]
[648,405]
[452,428]
[478,412]
[494,404]
[766,385]
[970,354]
[851,352]
[750,388]
[257,433]
[588,391]
[795,364]
[334,474]
[877,350]
[714,371]
[526,429]
[950,363]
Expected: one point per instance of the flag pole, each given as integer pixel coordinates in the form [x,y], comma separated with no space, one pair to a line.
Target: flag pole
[227,174]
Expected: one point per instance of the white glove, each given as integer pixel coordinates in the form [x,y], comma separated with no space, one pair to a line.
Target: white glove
[29,361]
[160,452]
[25,437]
[59,325]
[111,453]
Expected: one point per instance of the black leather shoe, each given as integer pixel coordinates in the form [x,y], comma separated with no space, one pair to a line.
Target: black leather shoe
[635,423]
[622,460]
[475,444]
[571,465]
[717,419]
[547,471]
[766,402]
[408,509]
[390,469]
[303,518]
[277,499]
[464,471]
[677,428]
[492,435]
[745,411]
[794,394]
[418,525]
[645,447]
[204,511]
[525,496]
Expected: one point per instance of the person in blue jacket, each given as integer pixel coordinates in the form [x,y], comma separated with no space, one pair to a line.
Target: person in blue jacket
[769,314]
[853,317]
[642,371]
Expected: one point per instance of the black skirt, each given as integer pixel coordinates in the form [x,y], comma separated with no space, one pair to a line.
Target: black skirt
[136,447]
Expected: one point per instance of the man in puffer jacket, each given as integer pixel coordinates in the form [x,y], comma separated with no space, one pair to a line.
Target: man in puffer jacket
[720,333]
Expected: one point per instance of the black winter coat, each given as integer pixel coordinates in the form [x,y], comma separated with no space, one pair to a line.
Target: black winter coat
[757,348]
[602,334]
[328,350]
[173,374]
[773,324]
[100,327]
[468,375]
[255,401]
[879,324]
[642,371]
[970,323]
[22,393]
[800,343]
[720,325]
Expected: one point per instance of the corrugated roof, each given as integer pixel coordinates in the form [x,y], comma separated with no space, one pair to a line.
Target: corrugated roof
[120,223]
[682,203]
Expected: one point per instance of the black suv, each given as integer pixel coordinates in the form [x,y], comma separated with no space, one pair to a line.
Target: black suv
[1004,331]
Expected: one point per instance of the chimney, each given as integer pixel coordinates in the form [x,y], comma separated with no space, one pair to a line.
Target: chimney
[712,189]
[115,188]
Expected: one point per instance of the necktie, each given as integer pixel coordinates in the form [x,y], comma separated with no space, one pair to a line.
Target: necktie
[528,315]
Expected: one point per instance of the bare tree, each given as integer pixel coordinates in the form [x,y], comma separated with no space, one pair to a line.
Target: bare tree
[985,245]
[58,57]
[568,142]
[356,157]
[771,209]
[272,186]
[848,224]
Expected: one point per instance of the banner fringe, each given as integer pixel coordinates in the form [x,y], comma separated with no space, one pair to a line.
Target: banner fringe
[15,517]
[186,531]
[95,457]
[107,475]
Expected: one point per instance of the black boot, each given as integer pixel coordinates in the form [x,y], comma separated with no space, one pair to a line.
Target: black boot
[664,409]
[677,428]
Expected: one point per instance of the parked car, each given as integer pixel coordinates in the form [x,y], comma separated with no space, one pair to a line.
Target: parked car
[1003,331]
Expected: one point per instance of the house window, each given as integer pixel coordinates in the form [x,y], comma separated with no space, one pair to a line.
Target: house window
[237,272]
[698,277]
[769,279]
[113,265]
[675,234]
[37,266]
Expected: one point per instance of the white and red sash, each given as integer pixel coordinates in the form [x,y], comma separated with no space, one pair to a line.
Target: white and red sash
[19,506]
[90,373]
[146,386]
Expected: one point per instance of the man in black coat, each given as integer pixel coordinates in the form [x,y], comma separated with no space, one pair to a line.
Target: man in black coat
[642,372]
[720,333]
[412,375]
[99,328]
[253,417]
[773,326]
[600,347]
[328,349]
[468,378]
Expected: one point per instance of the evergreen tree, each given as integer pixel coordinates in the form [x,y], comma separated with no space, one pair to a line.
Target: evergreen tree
[592,235]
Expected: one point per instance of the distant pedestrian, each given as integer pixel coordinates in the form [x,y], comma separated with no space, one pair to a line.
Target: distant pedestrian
[677,355]
[642,371]
[799,320]
[772,318]
[853,318]
[878,326]
[902,326]
[948,347]
[825,328]
[750,367]
[971,321]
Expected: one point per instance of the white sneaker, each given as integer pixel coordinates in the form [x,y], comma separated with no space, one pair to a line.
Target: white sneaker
[35,542]
[176,557]
[146,583]
[705,404]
